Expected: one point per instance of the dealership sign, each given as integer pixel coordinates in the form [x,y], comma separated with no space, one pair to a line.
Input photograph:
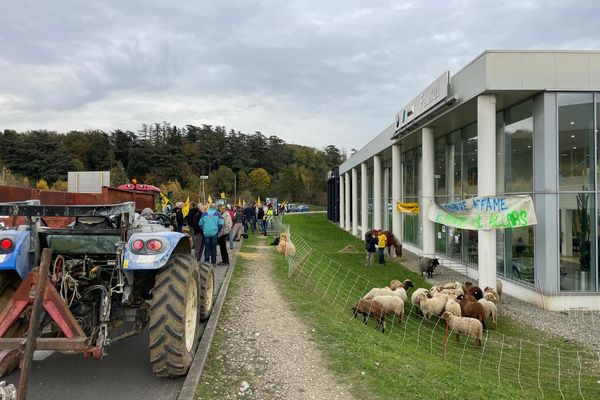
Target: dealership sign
[484,213]
[426,100]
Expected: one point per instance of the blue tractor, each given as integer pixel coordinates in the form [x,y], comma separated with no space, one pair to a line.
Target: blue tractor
[111,274]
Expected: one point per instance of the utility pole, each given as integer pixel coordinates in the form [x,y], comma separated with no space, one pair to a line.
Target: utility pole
[203,178]
[235,189]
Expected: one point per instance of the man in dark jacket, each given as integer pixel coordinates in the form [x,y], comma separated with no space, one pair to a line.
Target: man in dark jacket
[198,234]
[178,216]
[249,218]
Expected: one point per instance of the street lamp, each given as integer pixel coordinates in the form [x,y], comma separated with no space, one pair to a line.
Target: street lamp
[203,178]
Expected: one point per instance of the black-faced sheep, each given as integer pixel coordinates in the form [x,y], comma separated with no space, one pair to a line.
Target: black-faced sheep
[427,264]
[370,308]
[468,326]
[469,307]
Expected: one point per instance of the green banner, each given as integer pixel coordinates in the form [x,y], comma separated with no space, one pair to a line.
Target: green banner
[484,213]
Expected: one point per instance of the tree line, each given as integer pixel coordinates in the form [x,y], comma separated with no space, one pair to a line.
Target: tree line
[173,158]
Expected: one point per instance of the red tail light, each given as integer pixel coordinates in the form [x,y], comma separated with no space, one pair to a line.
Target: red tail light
[138,245]
[6,244]
[153,245]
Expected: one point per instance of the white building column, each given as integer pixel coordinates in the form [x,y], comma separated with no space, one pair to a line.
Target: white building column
[364,198]
[386,196]
[355,201]
[486,183]
[342,202]
[347,205]
[377,193]
[427,173]
[396,190]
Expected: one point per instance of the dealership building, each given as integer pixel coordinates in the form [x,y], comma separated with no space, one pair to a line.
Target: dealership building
[509,123]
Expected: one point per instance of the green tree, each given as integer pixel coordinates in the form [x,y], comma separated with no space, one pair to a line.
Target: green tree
[259,181]
[42,184]
[221,180]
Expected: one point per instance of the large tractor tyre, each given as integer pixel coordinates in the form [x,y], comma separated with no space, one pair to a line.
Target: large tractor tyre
[174,316]
[207,289]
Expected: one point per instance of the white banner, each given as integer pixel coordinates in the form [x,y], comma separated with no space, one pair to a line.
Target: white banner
[484,213]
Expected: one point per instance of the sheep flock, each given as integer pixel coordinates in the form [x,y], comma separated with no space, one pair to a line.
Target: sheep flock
[465,307]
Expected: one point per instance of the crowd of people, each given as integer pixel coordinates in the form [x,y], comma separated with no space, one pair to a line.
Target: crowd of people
[219,225]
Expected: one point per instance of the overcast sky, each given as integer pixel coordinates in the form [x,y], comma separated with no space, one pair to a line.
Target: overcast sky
[311,72]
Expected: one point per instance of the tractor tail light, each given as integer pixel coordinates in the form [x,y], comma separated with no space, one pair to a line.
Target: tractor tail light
[138,245]
[154,245]
[6,244]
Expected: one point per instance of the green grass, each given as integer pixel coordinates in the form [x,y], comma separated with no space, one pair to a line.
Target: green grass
[407,361]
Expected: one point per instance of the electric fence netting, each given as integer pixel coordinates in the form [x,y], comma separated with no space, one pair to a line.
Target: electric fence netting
[536,369]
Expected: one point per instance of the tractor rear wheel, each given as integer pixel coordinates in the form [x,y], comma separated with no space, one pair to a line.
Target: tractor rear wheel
[174,316]
[207,289]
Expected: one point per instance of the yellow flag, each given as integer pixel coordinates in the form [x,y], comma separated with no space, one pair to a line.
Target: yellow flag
[222,195]
[164,200]
[244,203]
[186,207]
[258,201]
[240,202]
[411,208]
[209,201]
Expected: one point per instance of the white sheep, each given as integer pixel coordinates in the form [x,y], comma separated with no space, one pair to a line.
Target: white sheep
[415,299]
[490,297]
[496,298]
[432,306]
[454,285]
[385,292]
[468,326]
[489,309]
[393,305]
[453,306]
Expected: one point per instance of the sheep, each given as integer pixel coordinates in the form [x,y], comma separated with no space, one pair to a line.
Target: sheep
[475,291]
[489,309]
[469,307]
[400,292]
[490,297]
[454,285]
[492,291]
[395,284]
[453,306]
[401,287]
[427,264]
[370,308]
[285,245]
[468,326]
[432,306]
[393,305]
[415,299]
[499,288]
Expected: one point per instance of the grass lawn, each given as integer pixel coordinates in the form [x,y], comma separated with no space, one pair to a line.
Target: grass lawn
[515,361]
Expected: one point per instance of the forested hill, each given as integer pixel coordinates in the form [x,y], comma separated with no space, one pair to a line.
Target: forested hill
[173,158]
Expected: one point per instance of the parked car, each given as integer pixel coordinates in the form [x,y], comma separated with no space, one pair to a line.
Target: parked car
[302,208]
[290,207]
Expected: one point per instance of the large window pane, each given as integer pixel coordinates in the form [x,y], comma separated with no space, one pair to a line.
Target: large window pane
[519,245]
[470,160]
[577,249]
[518,140]
[575,141]
[440,166]
[454,163]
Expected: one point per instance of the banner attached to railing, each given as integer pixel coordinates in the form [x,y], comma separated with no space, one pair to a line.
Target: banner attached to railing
[412,208]
[484,213]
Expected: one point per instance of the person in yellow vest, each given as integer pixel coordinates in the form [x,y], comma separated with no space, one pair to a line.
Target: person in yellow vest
[381,243]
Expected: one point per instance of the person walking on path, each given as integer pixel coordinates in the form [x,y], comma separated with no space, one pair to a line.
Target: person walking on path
[198,235]
[236,230]
[249,218]
[269,218]
[211,224]
[371,247]
[260,216]
[381,243]
[222,240]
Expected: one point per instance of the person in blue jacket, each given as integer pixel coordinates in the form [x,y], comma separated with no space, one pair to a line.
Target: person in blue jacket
[211,224]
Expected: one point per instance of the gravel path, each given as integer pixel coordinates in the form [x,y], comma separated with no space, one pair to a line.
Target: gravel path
[264,351]
[576,325]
